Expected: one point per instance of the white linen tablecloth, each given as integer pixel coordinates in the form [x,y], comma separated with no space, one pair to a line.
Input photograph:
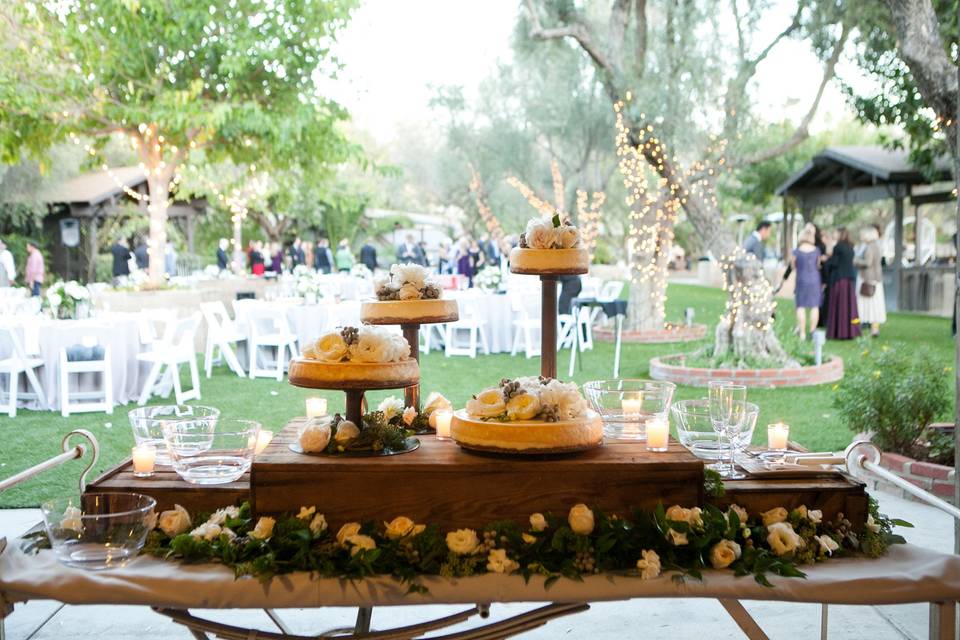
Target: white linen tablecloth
[495,311]
[907,574]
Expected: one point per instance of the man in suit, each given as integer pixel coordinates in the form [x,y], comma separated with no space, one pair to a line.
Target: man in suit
[410,251]
[368,256]
[121,258]
[323,257]
[297,255]
[141,254]
[754,242]
[223,260]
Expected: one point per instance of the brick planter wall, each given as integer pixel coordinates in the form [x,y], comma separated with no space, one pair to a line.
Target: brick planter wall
[671,368]
[938,479]
[672,333]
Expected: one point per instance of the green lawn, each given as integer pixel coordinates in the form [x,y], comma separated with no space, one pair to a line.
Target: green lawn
[34,436]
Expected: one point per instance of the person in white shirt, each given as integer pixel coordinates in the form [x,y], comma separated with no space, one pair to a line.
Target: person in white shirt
[8,270]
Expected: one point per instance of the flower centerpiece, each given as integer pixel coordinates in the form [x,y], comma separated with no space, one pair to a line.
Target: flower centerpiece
[307,282]
[66,299]
[489,279]
[361,271]
[550,233]
[528,398]
[407,282]
[366,344]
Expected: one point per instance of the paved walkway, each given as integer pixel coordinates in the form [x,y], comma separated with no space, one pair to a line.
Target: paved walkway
[680,619]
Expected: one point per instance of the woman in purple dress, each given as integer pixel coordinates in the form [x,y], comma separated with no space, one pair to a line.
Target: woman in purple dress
[806,264]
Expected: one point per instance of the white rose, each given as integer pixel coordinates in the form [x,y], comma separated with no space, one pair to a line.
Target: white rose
[827,544]
[872,525]
[360,542]
[221,515]
[347,530]
[413,274]
[565,396]
[815,516]
[409,415]
[207,531]
[390,407]
[676,513]
[676,538]
[54,298]
[487,404]
[538,522]
[523,407]
[742,515]
[315,436]
[399,527]
[463,542]
[436,401]
[568,236]
[306,513]
[264,528]
[71,519]
[399,348]
[498,562]
[346,431]
[318,525]
[372,346]
[724,553]
[649,564]
[226,531]
[540,234]
[175,521]
[409,292]
[580,519]
[382,282]
[331,347]
[782,538]
[773,516]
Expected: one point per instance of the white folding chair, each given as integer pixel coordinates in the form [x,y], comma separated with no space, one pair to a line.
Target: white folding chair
[269,329]
[176,347]
[427,334]
[15,363]
[98,399]
[222,334]
[609,292]
[526,324]
[472,323]
[149,322]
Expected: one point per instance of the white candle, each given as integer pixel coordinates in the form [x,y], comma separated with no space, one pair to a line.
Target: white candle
[778,434]
[316,407]
[144,457]
[658,432]
[443,424]
[263,439]
[631,406]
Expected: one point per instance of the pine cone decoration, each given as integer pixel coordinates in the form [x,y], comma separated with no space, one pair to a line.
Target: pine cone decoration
[511,389]
[430,292]
[523,241]
[350,334]
[545,380]
[550,414]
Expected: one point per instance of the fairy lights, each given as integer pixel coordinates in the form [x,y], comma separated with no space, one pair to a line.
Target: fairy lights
[486,214]
[750,301]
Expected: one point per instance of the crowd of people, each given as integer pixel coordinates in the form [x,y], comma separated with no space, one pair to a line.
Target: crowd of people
[34,271]
[838,282]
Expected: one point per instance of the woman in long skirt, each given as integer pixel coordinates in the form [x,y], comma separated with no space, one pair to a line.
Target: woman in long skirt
[843,322]
[870,298]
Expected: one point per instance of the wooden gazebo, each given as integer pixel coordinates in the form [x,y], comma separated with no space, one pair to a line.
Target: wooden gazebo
[856,175]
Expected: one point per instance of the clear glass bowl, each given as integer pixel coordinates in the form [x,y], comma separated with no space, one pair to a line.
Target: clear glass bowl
[98,530]
[695,431]
[211,452]
[147,424]
[626,405]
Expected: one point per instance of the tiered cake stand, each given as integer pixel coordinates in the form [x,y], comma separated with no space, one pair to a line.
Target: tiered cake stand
[568,262]
[354,379]
[392,313]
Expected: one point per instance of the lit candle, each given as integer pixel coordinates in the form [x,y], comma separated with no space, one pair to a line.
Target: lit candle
[443,423]
[778,434]
[263,439]
[144,457]
[658,432]
[632,406]
[316,407]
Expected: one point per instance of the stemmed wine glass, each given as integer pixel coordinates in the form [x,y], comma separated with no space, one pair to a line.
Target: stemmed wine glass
[728,409]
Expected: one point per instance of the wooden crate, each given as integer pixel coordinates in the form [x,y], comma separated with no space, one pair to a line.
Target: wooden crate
[831,494]
[440,483]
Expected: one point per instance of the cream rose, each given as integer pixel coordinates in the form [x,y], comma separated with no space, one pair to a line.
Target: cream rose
[399,527]
[306,513]
[412,274]
[724,553]
[331,347]
[538,522]
[782,538]
[676,538]
[318,525]
[436,401]
[815,516]
[488,404]
[347,530]
[742,515]
[649,564]
[360,542]
[264,528]
[72,519]
[676,513]
[175,521]
[409,415]
[346,431]
[523,407]
[827,544]
[399,348]
[773,516]
[315,436]
[221,515]
[390,407]
[463,542]
[207,531]
[409,292]
[872,525]
[371,347]
[540,233]
[568,237]
[498,562]
[581,520]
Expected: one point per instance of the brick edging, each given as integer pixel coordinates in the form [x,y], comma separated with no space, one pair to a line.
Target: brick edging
[938,479]
[670,368]
[670,333]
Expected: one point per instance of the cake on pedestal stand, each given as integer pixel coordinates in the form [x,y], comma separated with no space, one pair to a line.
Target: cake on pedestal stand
[410,314]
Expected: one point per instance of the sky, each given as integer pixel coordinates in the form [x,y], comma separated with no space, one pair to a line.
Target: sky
[396,51]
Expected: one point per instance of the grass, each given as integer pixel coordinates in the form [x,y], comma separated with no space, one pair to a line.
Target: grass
[34,436]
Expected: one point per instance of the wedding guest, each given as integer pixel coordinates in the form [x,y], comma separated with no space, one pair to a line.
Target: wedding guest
[477,258]
[141,254]
[410,251]
[8,269]
[170,259]
[121,258]
[755,241]
[570,288]
[368,256]
[844,320]
[344,257]
[871,302]
[276,257]
[223,260]
[297,254]
[34,272]
[805,261]
[323,257]
[443,257]
[464,263]
[257,262]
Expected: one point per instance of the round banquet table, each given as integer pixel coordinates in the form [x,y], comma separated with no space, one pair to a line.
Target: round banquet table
[43,337]
[495,312]
[307,321]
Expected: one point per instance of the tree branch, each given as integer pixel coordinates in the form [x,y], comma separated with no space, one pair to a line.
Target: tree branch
[640,55]
[617,30]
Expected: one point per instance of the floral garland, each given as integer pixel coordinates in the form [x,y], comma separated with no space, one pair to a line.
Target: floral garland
[679,540]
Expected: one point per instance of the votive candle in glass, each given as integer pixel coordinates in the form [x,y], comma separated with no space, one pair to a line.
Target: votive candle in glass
[778,435]
[658,434]
[316,407]
[144,459]
[443,423]
[263,439]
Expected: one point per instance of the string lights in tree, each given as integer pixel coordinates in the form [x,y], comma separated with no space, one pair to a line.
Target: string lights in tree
[486,214]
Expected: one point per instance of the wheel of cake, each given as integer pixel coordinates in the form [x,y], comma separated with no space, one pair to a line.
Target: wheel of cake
[527,436]
[550,246]
[409,311]
[366,376]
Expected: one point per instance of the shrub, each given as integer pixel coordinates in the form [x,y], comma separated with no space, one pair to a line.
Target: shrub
[894,394]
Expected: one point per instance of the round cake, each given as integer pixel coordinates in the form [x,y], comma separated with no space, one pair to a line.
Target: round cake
[549,261]
[319,374]
[418,311]
[527,436]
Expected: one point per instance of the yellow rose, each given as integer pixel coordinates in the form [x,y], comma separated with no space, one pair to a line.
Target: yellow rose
[331,347]
[773,516]
[529,539]
[523,407]
[264,528]
[498,562]
[649,564]
[782,538]
[724,553]
[538,522]
[318,525]
[358,542]
[488,404]
[175,521]
[399,527]
[347,530]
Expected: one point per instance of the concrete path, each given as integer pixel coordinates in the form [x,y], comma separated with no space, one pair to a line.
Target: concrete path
[678,619]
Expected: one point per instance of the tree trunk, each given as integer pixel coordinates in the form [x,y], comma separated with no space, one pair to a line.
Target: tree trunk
[157,244]
[649,244]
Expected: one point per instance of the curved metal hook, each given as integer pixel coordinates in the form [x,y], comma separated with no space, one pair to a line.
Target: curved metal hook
[94,446]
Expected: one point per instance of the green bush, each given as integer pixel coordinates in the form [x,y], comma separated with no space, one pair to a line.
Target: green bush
[895,393]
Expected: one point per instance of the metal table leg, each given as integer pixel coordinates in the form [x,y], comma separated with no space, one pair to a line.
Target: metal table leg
[364,617]
[576,342]
[943,617]
[616,349]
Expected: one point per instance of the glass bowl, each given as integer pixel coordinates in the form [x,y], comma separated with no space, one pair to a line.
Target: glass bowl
[626,405]
[147,424]
[98,530]
[211,452]
[695,430]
